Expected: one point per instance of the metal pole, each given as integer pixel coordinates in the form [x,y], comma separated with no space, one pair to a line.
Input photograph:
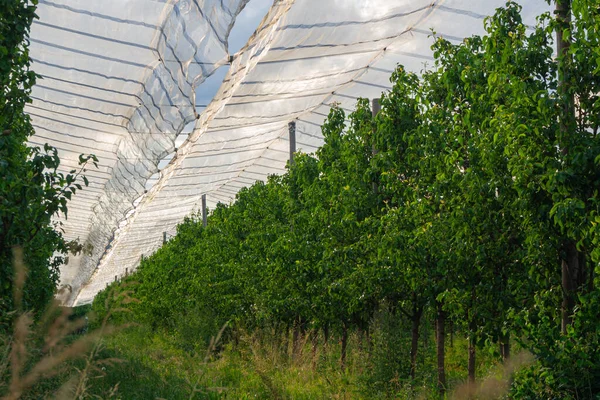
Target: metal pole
[375,108]
[292,131]
[164,237]
[204,216]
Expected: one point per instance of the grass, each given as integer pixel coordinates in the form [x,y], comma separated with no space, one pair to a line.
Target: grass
[139,363]
[157,367]
[35,356]
[52,358]
[51,355]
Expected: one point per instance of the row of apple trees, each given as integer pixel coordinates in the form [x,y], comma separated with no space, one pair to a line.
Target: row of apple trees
[471,198]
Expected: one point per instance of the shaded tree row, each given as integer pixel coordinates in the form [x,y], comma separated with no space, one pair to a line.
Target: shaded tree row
[470,197]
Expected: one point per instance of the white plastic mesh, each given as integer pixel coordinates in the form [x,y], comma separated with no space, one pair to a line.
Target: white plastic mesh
[118,81]
[305,56]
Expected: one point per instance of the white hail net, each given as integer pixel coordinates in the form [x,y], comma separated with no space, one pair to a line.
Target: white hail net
[119,82]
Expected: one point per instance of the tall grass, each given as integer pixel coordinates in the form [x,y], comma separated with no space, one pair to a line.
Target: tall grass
[42,357]
[39,348]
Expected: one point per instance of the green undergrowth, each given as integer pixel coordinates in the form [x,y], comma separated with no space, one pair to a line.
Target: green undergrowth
[155,365]
[138,362]
[149,364]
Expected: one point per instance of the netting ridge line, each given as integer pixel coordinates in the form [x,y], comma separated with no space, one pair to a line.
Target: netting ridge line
[123,162]
[216,106]
[292,80]
[206,121]
[348,110]
[63,122]
[93,87]
[334,45]
[88,54]
[231,150]
[114,241]
[84,96]
[84,138]
[204,174]
[90,35]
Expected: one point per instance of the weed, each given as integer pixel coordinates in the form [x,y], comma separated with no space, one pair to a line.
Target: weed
[29,357]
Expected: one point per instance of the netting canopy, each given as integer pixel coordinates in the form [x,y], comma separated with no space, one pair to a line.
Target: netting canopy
[119,81]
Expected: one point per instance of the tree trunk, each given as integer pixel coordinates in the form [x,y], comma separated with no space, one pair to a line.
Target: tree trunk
[440,336]
[563,44]
[369,343]
[504,344]
[344,347]
[570,268]
[361,338]
[471,362]
[471,366]
[286,341]
[570,261]
[583,273]
[375,107]
[296,347]
[314,339]
[414,348]
[426,336]
[591,278]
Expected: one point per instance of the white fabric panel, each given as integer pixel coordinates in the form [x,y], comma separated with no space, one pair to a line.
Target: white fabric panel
[120,80]
[305,57]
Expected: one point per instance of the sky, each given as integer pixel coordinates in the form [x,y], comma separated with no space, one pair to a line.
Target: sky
[245,25]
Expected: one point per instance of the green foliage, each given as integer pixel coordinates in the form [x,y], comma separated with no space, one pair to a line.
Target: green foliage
[390,362]
[567,365]
[152,365]
[470,190]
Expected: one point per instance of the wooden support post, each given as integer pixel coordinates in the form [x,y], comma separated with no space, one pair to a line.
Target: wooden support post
[204,216]
[126,271]
[115,278]
[440,338]
[375,108]
[164,237]
[292,137]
